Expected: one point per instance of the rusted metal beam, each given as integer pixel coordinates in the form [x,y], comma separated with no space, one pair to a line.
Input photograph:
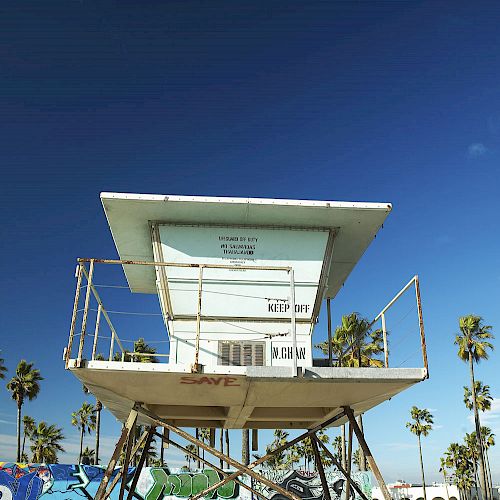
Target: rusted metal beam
[341,469]
[142,460]
[293,323]
[74,315]
[96,331]
[319,466]
[368,455]
[260,460]
[178,264]
[206,462]
[421,325]
[132,418]
[85,312]
[195,367]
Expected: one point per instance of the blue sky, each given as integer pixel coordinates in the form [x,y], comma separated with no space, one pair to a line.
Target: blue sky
[363,101]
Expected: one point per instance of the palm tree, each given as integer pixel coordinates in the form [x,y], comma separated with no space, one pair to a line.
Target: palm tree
[29,426]
[473,345]
[45,443]
[356,458]
[24,384]
[3,368]
[483,396]
[456,458]
[355,344]
[188,457]
[488,439]
[85,421]
[421,425]
[141,347]
[88,456]
[442,469]
[204,434]
[97,410]
[305,450]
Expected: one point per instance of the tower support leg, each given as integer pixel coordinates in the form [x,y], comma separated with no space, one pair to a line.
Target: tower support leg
[364,446]
[131,420]
[142,460]
[341,469]
[319,465]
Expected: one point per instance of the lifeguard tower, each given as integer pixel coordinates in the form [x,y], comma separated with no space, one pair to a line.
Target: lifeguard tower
[240,284]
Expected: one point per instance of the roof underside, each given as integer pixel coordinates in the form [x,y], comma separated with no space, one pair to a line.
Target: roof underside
[129,215]
[262,397]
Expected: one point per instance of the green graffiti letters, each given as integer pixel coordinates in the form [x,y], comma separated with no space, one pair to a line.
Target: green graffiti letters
[184,485]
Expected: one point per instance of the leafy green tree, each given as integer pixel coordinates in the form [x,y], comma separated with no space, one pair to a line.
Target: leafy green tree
[24,384]
[3,368]
[29,426]
[483,397]
[84,420]
[473,346]
[46,443]
[420,425]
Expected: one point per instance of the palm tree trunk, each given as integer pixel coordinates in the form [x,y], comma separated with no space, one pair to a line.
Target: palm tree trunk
[245,446]
[482,468]
[97,431]
[227,443]
[422,466]
[19,405]
[343,449]
[24,442]
[362,458]
[221,444]
[81,446]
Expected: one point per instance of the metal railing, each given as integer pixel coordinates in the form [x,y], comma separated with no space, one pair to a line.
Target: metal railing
[91,291]
[381,316]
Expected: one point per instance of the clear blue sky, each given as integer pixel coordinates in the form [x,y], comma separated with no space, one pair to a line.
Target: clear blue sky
[364,101]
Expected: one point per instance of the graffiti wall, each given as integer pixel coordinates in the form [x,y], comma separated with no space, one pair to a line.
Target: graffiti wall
[67,482]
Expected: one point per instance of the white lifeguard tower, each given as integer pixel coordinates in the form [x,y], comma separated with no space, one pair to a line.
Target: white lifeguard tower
[240,284]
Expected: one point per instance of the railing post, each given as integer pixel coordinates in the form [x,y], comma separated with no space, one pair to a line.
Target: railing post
[330,346]
[111,346]
[384,333]
[96,331]
[198,321]
[421,326]
[85,312]
[293,321]
[74,315]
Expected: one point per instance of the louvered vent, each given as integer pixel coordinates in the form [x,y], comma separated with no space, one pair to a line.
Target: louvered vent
[241,353]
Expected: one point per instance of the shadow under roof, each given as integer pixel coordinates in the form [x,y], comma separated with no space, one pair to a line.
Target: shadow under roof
[129,215]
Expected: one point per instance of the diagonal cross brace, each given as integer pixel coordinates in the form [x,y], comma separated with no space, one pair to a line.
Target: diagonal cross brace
[218,469]
[242,469]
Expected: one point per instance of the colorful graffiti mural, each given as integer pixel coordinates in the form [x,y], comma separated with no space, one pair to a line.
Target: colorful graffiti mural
[65,482]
